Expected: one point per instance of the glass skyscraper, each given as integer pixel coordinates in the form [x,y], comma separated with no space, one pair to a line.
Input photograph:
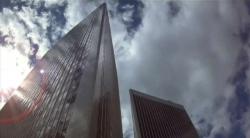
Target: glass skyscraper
[157,118]
[72,91]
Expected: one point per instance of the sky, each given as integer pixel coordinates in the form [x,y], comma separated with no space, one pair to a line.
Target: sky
[192,52]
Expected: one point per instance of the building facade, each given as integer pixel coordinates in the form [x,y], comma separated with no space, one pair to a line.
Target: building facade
[157,118]
[72,91]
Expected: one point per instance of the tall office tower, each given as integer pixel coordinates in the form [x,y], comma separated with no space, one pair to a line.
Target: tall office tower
[157,118]
[72,92]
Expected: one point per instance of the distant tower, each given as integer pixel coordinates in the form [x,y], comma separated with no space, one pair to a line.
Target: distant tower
[157,118]
[72,92]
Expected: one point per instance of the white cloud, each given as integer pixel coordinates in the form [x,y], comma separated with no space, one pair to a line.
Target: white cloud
[49,3]
[19,26]
[76,11]
[127,16]
[188,60]
[127,121]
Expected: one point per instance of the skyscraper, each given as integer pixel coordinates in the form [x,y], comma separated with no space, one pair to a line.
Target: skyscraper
[72,91]
[157,118]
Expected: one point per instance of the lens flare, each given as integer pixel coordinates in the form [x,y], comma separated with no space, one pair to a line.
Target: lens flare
[41,71]
[13,69]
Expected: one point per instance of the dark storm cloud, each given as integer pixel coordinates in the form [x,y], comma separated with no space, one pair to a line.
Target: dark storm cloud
[136,8]
[173,8]
[244,33]
[239,105]
[33,53]
[14,5]
[205,127]
[236,131]
[3,40]
[4,3]
[247,3]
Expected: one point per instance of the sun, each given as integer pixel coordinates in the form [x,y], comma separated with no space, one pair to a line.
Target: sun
[13,69]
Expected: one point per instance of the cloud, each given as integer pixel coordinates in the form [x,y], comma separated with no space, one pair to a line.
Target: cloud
[131,14]
[74,16]
[127,121]
[42,22]
[246,123]
[182,51]
[33,53]
[188,60]
[35,25]
[3,39]
[25,24]
[20,23]
[173,8]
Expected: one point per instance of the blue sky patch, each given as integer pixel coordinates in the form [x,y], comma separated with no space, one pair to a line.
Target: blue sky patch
[134,6]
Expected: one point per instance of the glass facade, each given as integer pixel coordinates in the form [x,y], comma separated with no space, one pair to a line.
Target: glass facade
[73,89]
[157,118]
